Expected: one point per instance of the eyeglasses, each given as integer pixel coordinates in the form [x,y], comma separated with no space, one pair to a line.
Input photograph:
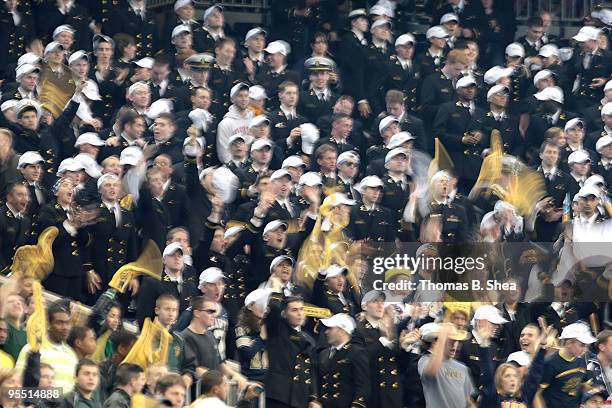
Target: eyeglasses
[209,311]
[350,164]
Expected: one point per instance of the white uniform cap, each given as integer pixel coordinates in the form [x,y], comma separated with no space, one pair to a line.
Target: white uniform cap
[257,93]
[489,313]
[180,29]
[276,261]
[339,199]
[237,88]
[77,55]
[30,157]
[237,136]
[210,10]
[381,10]
[25,69]
[253,32]
[515,50]
[606,109]
[348,156]
[105,178]
[496,89]
[309,134]
[28,58]
[572,123]
[588,190]
[91,167]
[6,105]
[587,33]
[465,81]
[405,39]
[211,275]
[258,297]
[310,179]
[369,181]
[278,46]
[385,122]
[552,93]
[62,29]
[522,358]
[603,142]
[89,138]
[594,181]
[258,120]
[578,331]
[231,231]
[130,156]
[293,161]
[543,74]
[395,152]
[138,85]
[171,248]
[181,3]
[549,50]
[91,90]
[279,174]
[449,17]
[399,139]
[260,144]
[341,320]
[496,73]
[146,62]
[608,86]
[69,164]
[273,226]
[380,23]
[335,270]
[579,156]
[436,32]
[160,106]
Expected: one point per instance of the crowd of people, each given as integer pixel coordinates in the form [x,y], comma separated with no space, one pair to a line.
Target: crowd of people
[213,206]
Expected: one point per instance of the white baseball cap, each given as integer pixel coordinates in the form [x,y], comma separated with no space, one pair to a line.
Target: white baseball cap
[254,31]
[552,93]
[181,3]
[578,331]
[339,199]
[91,90]
[257,93]
[279,174]
[77,55]
[281,258]
[515,50]
[496,73]
[171,248]
[237,88]
[436,32]
[405,39]
[28,58]
[369,181]
[237,136]
[231,231]
[105,178]
[25,69]
[52,46]
[522,358]
[381,22]
[465,81]
[6,105]
[146,62]
[399,139]
[91,167]
[130,156]
[385,122]
[395,152]
[310,179]
[30,157]
[210,10]
[449,17]
[543,74]
[258,297]
[258,120]
[260,144]
[572,123]
[587,33]
[606,109]
[348,156]
[138,85]
[69,164]
[603,142]
[293,161]
[62,29]
[372,296]
[588,190]
[381,10]
[211,275]
[278,46]
[89,138]
[274,225]
[341,320]
[180,29]
[335,270]
[549,50]
[309,134]
[489,313]
[608,86]
[579,156]
[594,181]
[496,89]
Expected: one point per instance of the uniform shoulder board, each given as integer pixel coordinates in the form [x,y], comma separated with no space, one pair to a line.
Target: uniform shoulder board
[127,202]
[317,312]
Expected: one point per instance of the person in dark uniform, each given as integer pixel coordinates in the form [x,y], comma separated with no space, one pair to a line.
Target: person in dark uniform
[604,166]
[375,334]
[396,190]
[532,41]
[286,120]
[319,100]
[593,65]
[31,167]
[402,71]
[343,372]
[16,30]
[459,127]
[54,14]
[579,164]
[332,291]
[574,135]
[370,221]
[213,29]
[114,236]
[498,118]
[439,88]
[432,60]
[223,75]
[290,381]
[134,19]
[377,53]
[452,217]
[174,281]
[352,50]
[184,11]
[14,224]
[347,164]
[251,59]
[276,72]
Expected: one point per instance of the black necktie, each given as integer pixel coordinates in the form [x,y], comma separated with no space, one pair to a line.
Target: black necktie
[113,216]
[33,197]
[332,353]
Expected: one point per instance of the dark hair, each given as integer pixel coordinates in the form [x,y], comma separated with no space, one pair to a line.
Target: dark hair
[122,40]
[549,143]
[394,96]
[225,40]
[167,116]
[210,379]
[290,299]
[85,362]
[198,302]
[535,22]
[167,381]
[248,319]
[338,116]
[161,59]
[317,35]
[126,372]
[56,307]
[128,117]
[123,337]
[77,333]
[195,90]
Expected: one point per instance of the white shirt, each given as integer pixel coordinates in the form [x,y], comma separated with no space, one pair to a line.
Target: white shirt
[115,209]
[405,63]
[289,114]
[15,213]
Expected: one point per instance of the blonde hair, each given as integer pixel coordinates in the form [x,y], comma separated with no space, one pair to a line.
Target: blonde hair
[499,373]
